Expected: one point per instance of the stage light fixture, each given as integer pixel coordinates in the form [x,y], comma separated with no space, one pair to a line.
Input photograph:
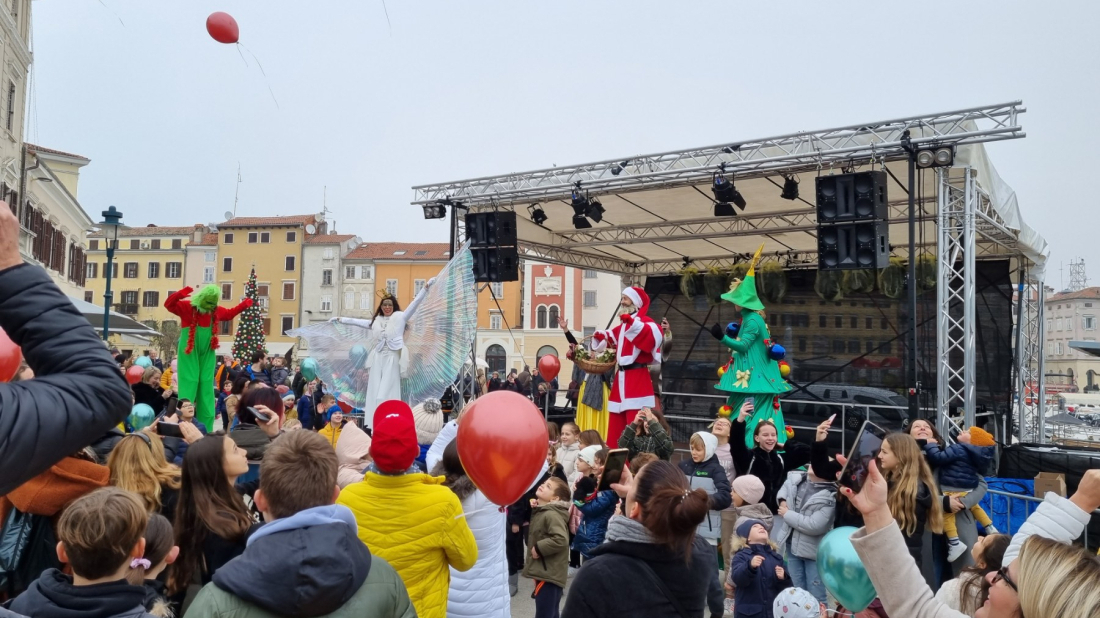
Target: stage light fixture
[437,210]
[724,209]
[618,167]
[945,156]
[580,222]
[595,210]
[790,188]
[936,156]
[579,203]
[538,215]
[925,158]
[725,192]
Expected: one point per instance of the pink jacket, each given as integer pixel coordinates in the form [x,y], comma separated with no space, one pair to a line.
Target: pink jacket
[351,449]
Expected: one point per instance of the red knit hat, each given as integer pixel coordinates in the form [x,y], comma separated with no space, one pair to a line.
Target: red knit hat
[393,443]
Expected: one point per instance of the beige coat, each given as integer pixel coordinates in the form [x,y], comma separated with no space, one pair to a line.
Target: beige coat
[352,447]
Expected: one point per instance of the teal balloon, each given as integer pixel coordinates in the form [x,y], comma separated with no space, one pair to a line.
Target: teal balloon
[144,362]
[309,369]
[842,572]
[358,355]
[141,416]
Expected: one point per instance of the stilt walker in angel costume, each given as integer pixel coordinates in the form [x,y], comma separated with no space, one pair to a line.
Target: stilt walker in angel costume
[198,344]
[637,340]
[753,370]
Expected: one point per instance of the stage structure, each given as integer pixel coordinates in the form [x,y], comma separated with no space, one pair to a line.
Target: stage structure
[657,216]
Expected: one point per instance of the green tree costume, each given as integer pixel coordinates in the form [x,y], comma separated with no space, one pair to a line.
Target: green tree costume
[751,373]
[198,345]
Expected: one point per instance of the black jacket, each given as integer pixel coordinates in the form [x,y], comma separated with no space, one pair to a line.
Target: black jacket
[613,583]
[915,541]
[150,396]
[78,392]
[770,467]
[54,596]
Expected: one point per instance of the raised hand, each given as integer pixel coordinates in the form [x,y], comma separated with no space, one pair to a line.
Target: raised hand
[757,561]
[746,411]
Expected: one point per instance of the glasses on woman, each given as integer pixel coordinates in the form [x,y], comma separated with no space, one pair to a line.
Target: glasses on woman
[1002,573]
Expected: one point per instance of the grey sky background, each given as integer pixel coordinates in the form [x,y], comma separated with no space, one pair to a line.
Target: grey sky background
[475,88]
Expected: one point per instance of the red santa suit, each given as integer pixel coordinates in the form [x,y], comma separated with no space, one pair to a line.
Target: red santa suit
[637,340]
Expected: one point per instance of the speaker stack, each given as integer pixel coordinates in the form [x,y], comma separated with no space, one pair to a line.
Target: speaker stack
[853,228]
[492,238]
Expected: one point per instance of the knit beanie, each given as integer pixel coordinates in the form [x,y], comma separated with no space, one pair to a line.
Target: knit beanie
[746,527]
[393,446]
[588,454]
[981,437]
[749,487]
[336,408]
[428,417]
[796,603]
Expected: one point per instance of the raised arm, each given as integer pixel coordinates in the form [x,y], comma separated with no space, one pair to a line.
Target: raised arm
[176,304]
[361,323]
[742,456]
[415,304]
[224,315]
[746,336]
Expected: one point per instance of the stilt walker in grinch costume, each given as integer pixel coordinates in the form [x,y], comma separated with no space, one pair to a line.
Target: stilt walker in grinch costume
[637,340]
[198,345]
[753,369]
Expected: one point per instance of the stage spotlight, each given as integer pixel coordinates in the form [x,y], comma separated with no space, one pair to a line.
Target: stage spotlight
[579,203]
[618,167]
[790,188]
[435,211]
[925,158]
[725,192]
[538,215]
[580,222]
[945,156]
[936,156]
[595,210]
[724,209]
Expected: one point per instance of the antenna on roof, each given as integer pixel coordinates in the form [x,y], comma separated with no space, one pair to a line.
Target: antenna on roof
[237,193]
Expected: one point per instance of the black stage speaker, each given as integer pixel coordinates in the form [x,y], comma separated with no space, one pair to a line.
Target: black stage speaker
[853,246]
[851,197]
[492,238]
[496,264]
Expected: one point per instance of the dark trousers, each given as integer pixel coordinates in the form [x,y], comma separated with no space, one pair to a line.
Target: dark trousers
[547,599]
[574,555]
[514,549]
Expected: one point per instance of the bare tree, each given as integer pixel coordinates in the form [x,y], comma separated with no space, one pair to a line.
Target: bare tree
[167,338]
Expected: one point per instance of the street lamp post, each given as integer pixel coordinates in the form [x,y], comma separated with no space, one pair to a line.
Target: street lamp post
[112,221]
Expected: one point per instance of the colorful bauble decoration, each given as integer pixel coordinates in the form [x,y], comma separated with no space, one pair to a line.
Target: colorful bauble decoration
[725,412]
[721,371]
[777,352]
[732,329]
[784,369]
[790,432]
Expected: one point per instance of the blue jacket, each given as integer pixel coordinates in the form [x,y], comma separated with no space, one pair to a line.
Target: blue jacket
[709,476]
[597,511]
[959,465]
[306,411]
[757,587]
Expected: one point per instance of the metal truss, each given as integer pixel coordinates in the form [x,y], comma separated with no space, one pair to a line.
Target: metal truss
[1028,368]
[790,153]
[954,290]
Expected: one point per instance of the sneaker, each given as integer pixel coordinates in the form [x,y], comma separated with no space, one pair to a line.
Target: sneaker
[727,607]
[990,530]
[955,549]
[513,584]
[573,571]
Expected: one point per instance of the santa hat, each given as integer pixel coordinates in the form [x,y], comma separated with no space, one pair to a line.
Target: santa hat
[393,443]
[981,437]
[638,296]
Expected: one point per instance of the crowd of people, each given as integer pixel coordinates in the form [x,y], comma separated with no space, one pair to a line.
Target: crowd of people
[284,506]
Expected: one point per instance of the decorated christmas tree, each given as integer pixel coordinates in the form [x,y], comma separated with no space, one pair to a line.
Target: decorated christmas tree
[250,330]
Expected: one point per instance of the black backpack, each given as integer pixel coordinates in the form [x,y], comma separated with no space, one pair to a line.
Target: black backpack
[28,547]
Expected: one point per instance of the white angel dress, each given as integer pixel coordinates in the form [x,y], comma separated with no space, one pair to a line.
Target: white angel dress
[388,360]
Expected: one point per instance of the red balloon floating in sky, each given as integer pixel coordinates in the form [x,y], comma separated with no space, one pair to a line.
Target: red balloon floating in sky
[223,28]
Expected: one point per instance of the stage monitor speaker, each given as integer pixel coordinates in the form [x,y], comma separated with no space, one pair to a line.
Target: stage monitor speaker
[852,197]
[491,229]
[853,246]
[495,264]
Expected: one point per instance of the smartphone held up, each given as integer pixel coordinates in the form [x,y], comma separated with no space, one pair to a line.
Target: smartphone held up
[866,448]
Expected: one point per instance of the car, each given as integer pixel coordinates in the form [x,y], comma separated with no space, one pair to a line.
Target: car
[806,408]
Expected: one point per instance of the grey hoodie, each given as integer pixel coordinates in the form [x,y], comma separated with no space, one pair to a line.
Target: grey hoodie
[810,510]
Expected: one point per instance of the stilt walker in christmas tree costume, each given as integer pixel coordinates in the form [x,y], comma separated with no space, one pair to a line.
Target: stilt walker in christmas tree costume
[752,371]
[198,345]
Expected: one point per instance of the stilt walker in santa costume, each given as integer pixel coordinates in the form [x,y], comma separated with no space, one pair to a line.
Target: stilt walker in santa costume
[637,340]
[198,345]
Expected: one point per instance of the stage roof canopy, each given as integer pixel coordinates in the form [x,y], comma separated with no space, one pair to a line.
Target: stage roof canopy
[659,208]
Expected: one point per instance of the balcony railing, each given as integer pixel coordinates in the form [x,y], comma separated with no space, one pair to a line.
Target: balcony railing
[129,310]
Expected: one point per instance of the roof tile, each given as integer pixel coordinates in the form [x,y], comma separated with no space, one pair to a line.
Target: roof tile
[208,240]
[291,220]
[44,150]
[432,252]
[329,239]
[151,230]
[1092,293]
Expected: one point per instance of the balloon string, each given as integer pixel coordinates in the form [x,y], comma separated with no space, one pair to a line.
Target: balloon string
[113,11]
[491,507]
[262,72]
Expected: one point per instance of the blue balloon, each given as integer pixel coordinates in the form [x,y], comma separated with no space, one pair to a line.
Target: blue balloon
[842,572]
[358,355]
[732,329]
[141,416]
[143,362]
[777,352]
[309,369]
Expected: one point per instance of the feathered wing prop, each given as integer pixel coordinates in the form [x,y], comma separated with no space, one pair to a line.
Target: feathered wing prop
[438,338]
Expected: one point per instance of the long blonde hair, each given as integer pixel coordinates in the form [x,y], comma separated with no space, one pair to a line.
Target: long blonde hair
[905,480]
[1057,579]
[138,465]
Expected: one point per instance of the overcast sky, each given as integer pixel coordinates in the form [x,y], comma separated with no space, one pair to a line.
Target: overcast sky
[469,88]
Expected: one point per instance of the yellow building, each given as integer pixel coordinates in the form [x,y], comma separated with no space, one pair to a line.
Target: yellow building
[273,246]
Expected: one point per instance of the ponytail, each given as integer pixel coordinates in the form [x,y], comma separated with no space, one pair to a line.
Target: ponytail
[671,510]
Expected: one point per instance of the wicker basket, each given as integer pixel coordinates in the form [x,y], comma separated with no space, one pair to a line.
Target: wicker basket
[591,366]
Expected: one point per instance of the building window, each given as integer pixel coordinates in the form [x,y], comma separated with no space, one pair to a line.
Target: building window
[1058,348]
[391,287]
[869,323]
[288,324]
[290,263]
[838,321]
[497,289]
[853,347]
[227,265]
[93,245]
[154,270]
[1088,305]
[822,321]
[838,346]
[418,286]
[1058,325]
[130,270]
[546,350]
[177,243]
[129,298]
[1088,322]
[349,300]
[114,269]
[265,237]
[261,290]
[329,253]
[801,344]
[135,245]
[228,238]
[326,276]
[225,327]
[210,256]
[367,272]
[495,321]
[496,358]
[364,301]
[590,298]
[253,238]
[870,347]
[173,270]
[326,304]
[554,311]
[208,274]
[588,331]
[349,272]
[854,322]
[154,244]
[1050,325]
[150,299]
[288,290]
[292,236]
[91,270]
[11,105]
[88,297]
[886,347]
[590,274]
[540,317]
[882,324]
[227,291]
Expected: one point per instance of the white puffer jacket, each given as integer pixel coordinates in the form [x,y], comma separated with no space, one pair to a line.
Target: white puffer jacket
[483,590]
